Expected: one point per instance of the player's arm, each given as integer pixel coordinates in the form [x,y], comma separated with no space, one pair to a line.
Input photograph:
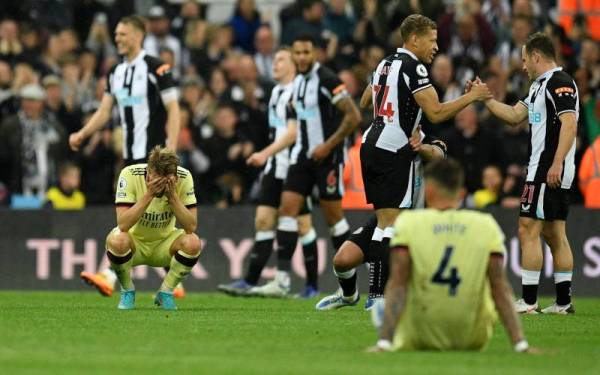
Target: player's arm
[395,294]
[438,112]
[366,98]
[287,139]
[568,132]
[350,122]
[128,215]
[186,214]
[512,115]
[173,117]
[427,147]
[97,121]
[503,298]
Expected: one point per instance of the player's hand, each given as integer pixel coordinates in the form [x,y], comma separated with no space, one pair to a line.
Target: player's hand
[415,140]
[553,179]
[469,84]
[171,187]
[257,159]
[75,140]
[157,186]
[481,91]
[321,152]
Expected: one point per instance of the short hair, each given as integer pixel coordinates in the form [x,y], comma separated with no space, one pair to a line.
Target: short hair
[416,24]
[446,173]
[66,167]
[137,22]
[163,161]
[305,37]
[541,43]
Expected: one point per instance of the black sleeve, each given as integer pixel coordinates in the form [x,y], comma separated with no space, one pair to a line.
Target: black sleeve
[162,72]
[433,141]
[563,92]
[416,76]
[332,86]
[524,100]
[109,78]
[290,111]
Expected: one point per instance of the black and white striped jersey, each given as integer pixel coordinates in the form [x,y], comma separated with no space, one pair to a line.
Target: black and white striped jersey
[141,88]
[550,95]
[395,111]
[280,111]
[315,95]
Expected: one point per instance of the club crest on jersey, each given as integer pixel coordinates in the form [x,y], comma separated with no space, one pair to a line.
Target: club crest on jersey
[422,70]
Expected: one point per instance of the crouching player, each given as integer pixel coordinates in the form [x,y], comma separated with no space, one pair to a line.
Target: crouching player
[150,197]
[446,274]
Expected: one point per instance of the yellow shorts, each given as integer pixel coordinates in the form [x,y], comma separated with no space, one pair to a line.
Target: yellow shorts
[152,253]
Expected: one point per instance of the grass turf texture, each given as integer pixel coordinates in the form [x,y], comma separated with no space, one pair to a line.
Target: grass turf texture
[56,332]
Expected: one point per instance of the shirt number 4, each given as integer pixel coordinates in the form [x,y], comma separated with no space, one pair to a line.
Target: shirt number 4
[452,280]
[386,109]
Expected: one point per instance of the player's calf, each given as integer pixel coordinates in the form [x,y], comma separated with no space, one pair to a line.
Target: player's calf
[182,262]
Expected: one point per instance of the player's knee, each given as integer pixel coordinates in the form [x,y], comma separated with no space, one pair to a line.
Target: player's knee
[119,242]
[342,262]
[526,231]
[191,244]
[264,223]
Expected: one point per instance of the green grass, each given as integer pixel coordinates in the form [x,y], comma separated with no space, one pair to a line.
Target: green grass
[76,333]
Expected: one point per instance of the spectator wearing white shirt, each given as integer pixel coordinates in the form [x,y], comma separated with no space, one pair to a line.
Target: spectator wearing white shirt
[159,37]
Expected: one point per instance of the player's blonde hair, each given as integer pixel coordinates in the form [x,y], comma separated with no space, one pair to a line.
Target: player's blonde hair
[163,161]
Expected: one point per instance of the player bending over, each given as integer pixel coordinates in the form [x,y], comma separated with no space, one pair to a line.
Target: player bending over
[150,197]
[356,250]
[446,274]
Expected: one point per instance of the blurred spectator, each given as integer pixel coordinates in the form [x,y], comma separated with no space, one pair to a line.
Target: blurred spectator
[31,145]
[339,22]
[69,41]
[158,37]
[311,22]
[227,151]
[473,146]
[245,22]
[11,48]
[490,194]
[98,159]
[589,105]
[220,39]
[8,101]
[466,37]
[264,42]
[70,118]
[218,83]
[589,175]
[497,13]
[66,195]
[369,29]
[52,55]
[99,40]
[587,10]
[589,59]
[191,11]
[509,53]
[194,41]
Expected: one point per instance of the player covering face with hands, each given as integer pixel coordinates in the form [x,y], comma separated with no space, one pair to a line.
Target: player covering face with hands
[150,198]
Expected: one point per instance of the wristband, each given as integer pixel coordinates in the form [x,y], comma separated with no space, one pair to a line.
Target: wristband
[521,346]
[384,344]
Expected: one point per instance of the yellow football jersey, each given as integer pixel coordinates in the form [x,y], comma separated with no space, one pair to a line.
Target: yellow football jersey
[158,221]
[61,201]
[449,303]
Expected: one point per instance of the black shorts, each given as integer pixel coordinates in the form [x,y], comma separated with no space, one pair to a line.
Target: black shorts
[388,176]
[538,201]
[362,237]
[327,175]
[270,193]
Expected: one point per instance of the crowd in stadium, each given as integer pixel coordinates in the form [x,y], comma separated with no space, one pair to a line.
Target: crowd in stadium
[54,56]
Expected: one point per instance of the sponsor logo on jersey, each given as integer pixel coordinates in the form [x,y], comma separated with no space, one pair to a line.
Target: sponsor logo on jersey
[534,117]
[423,81]
[126,100]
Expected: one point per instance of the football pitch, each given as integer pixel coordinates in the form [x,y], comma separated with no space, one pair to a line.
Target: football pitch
[83,333]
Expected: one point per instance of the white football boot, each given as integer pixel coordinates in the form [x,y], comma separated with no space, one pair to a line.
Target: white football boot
[523,308]
[279,287]
[559,310]
[337,300]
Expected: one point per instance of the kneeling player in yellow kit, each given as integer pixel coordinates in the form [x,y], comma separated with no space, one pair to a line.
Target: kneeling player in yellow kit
[446,274]
[150,197]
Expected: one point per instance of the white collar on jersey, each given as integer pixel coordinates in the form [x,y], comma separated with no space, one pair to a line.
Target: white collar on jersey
[313,70]
[548,73]
[136,59]
[403,50]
